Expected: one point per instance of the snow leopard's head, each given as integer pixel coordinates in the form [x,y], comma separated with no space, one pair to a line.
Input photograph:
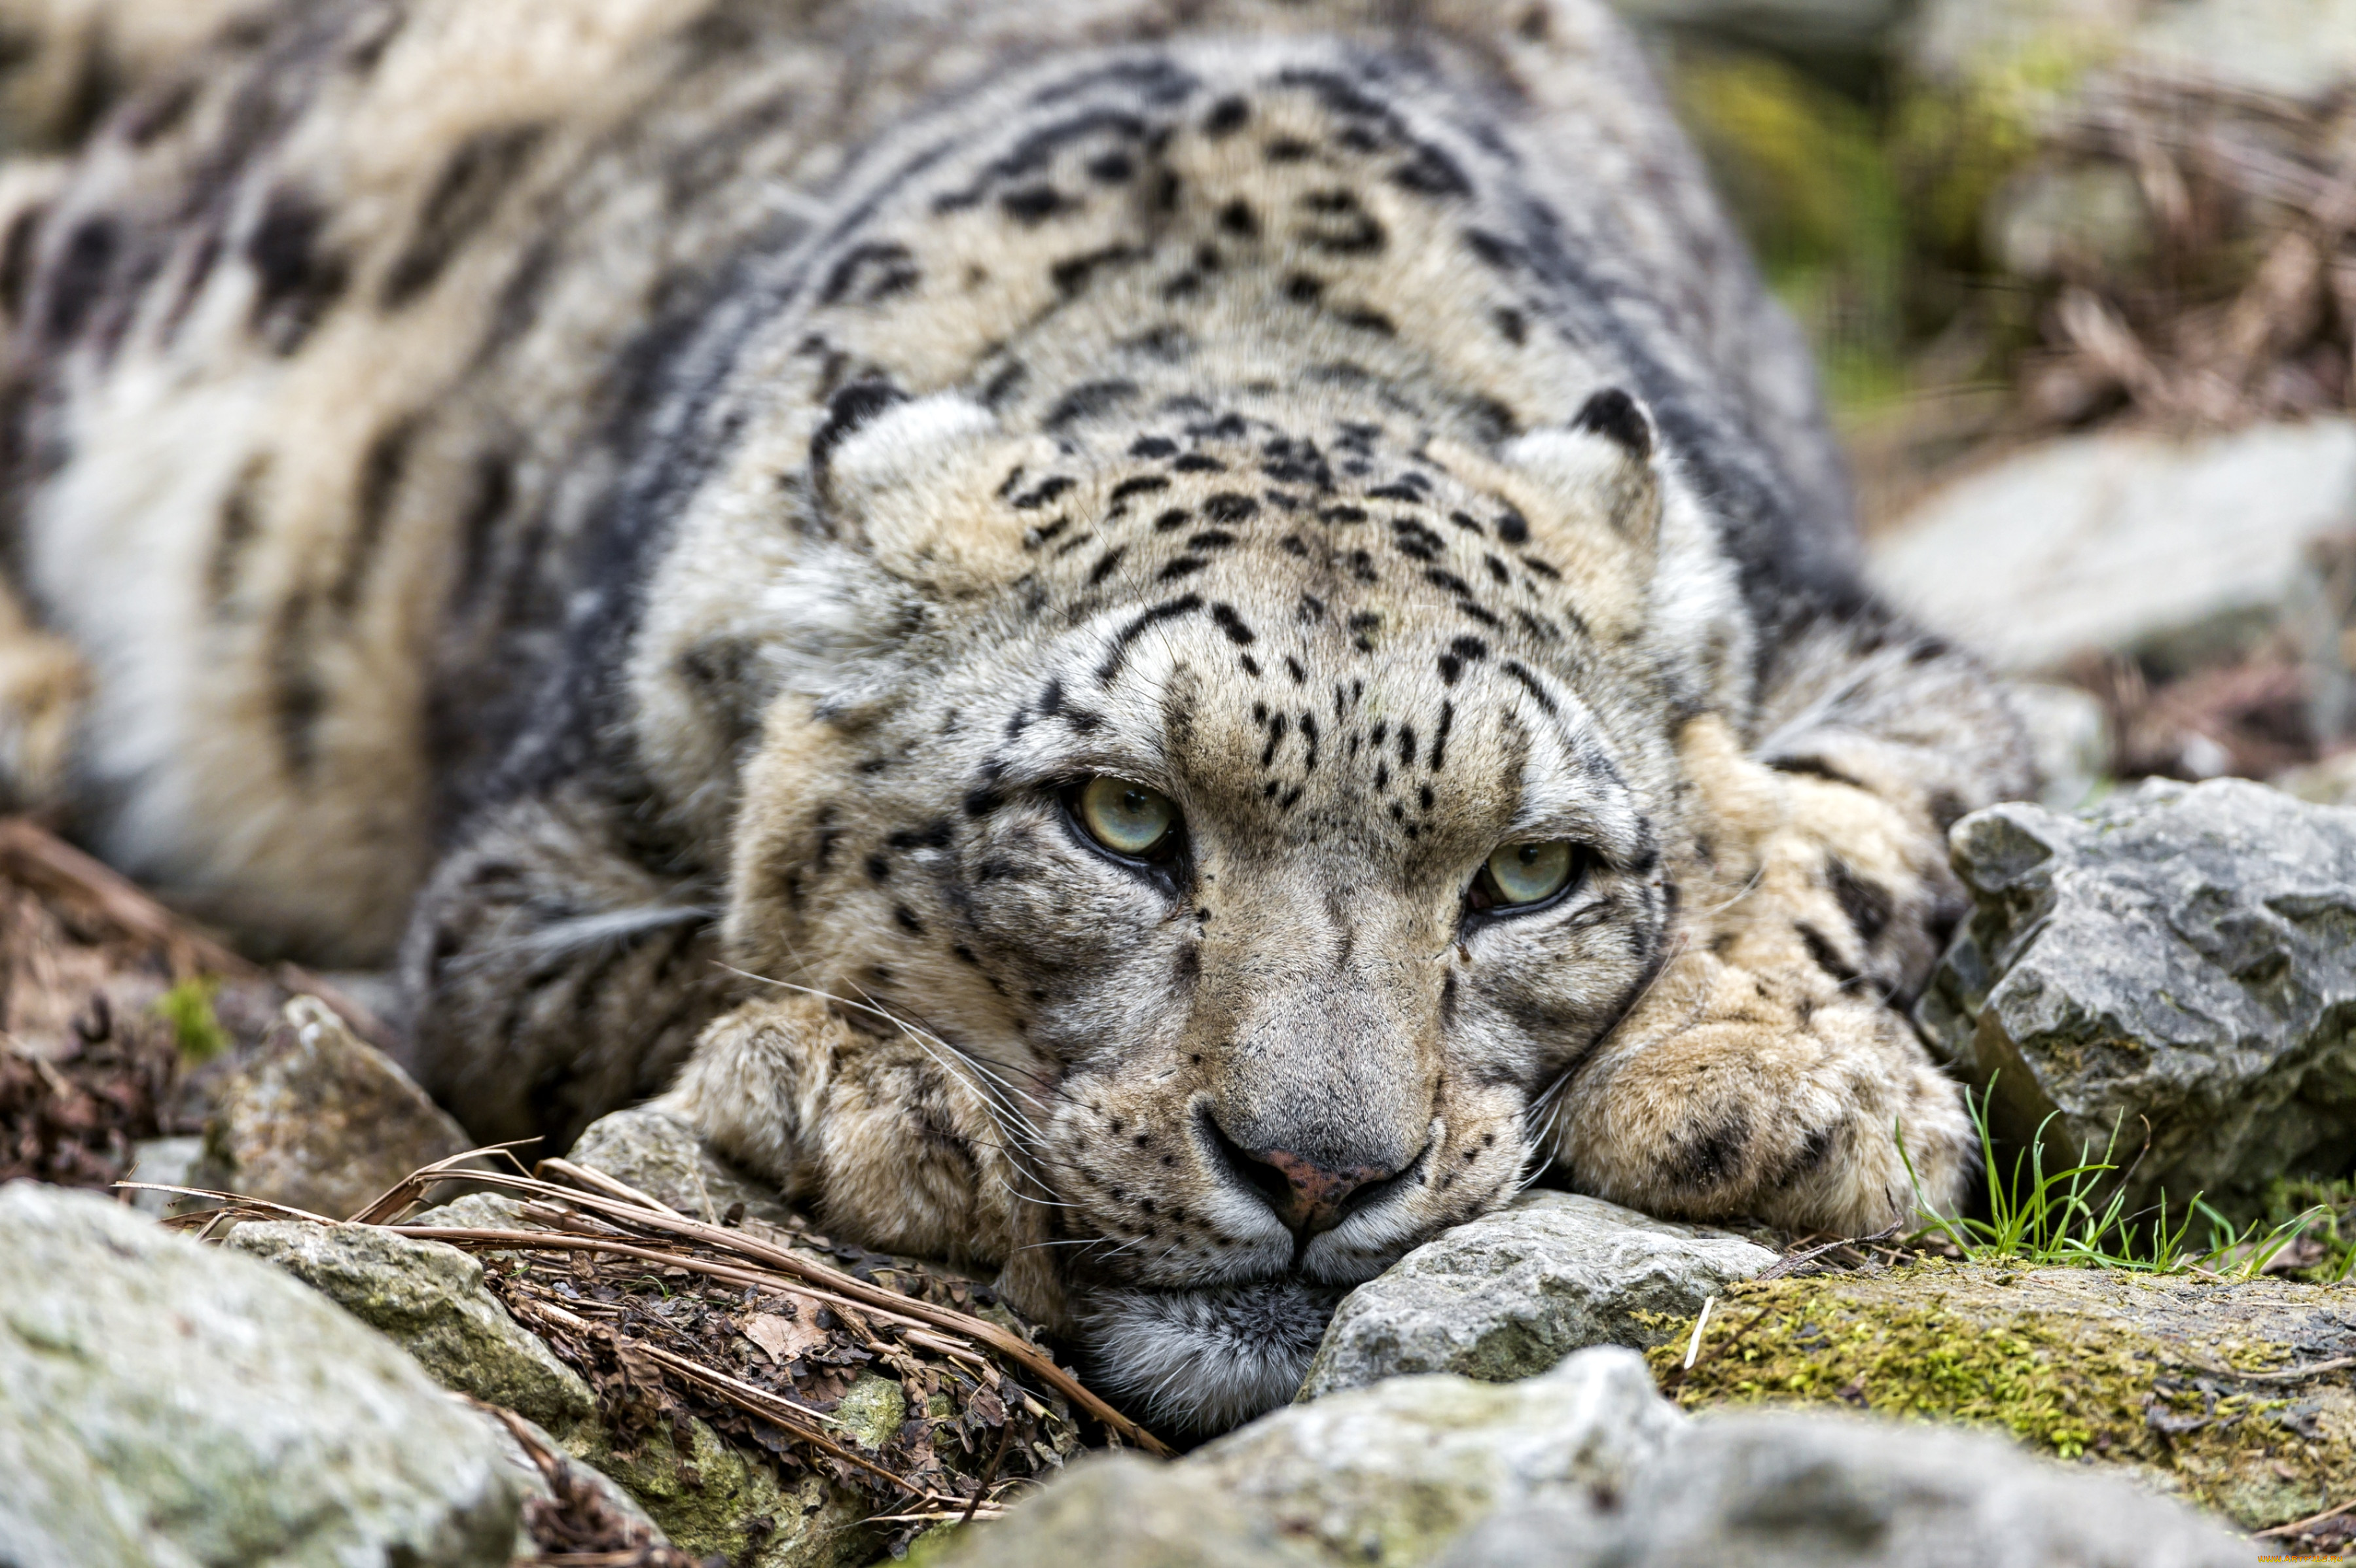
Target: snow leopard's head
[1202,845]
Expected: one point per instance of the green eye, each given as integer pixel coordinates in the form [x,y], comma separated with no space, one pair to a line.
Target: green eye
[1126,818]
[1532,873]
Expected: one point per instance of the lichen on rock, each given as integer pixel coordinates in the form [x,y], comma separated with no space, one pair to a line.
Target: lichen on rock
[2195,1386]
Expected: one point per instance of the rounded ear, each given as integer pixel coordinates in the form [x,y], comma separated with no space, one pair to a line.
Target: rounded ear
[1600,464]
[909,482]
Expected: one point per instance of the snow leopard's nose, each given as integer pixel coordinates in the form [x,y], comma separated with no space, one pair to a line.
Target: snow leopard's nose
[1310,1197]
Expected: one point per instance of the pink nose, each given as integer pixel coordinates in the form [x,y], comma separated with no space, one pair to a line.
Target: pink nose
[1308,1196]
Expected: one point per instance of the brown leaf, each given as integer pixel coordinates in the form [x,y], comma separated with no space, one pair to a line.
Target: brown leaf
[782,1337]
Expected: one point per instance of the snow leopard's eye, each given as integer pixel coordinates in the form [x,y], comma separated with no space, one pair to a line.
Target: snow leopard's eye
[1127,818]
[1521,874]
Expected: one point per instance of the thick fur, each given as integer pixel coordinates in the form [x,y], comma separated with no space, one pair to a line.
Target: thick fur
[663,498]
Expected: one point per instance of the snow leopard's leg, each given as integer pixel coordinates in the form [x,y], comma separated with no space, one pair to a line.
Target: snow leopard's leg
[1770,1069]
[556,971]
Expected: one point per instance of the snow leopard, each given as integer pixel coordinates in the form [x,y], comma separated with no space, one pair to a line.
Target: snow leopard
[1159,646]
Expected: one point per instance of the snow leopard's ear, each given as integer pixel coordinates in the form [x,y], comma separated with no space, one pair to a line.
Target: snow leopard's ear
[912,483]
[1599,465]
[1585,501]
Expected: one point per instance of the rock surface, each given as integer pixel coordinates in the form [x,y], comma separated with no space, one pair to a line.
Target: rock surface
[1586,1464]
[165,1404]
[1513,1293]
[1798,1492]
[1122,1511]
[429,1299]
[2181,955]
[664,1157]
[322,1120]
[2194,1387]
[2111,542]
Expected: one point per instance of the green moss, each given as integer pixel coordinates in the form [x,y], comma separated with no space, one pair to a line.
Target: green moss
[1804,171]
[188,1008]
[1940,1341]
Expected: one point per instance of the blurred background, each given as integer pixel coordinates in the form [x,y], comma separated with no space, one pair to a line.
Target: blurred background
[2082,277]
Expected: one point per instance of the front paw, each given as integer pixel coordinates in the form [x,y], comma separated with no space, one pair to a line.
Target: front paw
[1729,1092]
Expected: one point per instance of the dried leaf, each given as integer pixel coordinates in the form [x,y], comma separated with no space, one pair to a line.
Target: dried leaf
[782,1337]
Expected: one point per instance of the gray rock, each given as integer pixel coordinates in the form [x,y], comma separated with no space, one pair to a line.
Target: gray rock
[1513,1293]
[429,1298]
[2111,542]
[2298,50]
[2182,957]
[167,1162]
[1789,1490]
[1122,1511]
[1582,1467]
[166,1405]
[322,1120]
[663,1156]
[1388,1474]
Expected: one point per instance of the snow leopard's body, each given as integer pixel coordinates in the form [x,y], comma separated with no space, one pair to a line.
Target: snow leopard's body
[653,499]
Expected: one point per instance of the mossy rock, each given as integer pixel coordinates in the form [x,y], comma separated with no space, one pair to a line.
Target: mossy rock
[723,1501]
[2176,1379]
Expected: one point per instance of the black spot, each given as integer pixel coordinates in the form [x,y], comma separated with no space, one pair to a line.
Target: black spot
[1034,204]
[847,412]
[1173,520]
[1512,326]
[1199,463]
[1046,491]
[1152,447]
[1424,797]
[381,470]
[1415,540]
[1087,402]
[871,272]
[1225,617]
[295,281]
[1289,150]
[1227,116]
[464,198]
[1406,746]
[1341,514]
[80,277]
[1431,172]
[1293,668]
[1472,649]
[241,521]
[1710,1158]
[1226,506]
[1497,570]
[1303,289]
[1814,767]
[1448,581]
[17,254]
[1828,958]
[1071,274]
[1106,564]
[906,920]
[1173,609]
[1211,539]
[1613,414]
[1501,255]
[1530,684]
[1541,568]
[1868,906]
[1367,320]
[878,869]
[1185,566]
[1512,527]
[1236,218]
[1139,485]
[932,836]
[1439,740]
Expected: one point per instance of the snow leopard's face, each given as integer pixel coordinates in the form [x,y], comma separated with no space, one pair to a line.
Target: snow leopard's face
[1247,859]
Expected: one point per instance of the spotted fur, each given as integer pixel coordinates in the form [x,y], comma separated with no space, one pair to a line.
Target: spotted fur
[661,500]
